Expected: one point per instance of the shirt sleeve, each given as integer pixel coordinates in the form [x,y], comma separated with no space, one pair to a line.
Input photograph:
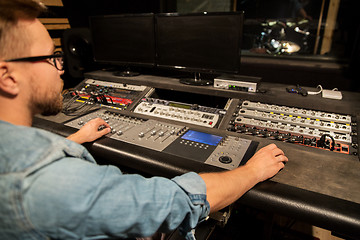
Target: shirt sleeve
[73,198]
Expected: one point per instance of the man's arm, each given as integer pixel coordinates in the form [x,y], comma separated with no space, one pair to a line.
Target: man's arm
[226,187]
[90,131]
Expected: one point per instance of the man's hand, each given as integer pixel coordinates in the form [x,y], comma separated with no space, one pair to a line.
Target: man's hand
[224,188]
[267,162]
[90,131]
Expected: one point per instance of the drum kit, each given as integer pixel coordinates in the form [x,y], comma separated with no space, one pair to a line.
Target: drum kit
[284,36]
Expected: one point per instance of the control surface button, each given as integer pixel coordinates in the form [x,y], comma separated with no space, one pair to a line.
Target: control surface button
[225,159]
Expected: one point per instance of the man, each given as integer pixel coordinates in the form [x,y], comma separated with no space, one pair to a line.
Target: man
[51,187]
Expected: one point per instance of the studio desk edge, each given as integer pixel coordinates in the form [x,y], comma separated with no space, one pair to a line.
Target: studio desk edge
[317,186]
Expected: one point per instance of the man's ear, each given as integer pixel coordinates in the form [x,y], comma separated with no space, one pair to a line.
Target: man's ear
[8,83]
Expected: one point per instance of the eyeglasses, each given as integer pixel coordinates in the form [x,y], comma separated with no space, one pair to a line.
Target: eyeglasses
[56,59]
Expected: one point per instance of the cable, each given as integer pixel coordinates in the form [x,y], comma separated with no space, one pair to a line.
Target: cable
[315,93]
[261,91]
[322,141]
[72,107]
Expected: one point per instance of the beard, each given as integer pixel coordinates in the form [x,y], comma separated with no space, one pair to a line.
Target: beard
[48,105]
[51,108]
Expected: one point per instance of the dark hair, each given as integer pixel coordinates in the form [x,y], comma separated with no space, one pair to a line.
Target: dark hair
[11,11]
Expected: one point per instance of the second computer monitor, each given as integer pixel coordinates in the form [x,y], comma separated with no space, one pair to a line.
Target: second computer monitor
[206,42]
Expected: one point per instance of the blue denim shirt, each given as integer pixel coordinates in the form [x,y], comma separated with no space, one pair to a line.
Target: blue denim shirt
[51,187]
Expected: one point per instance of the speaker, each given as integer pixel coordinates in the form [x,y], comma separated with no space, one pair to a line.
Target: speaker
[77,48]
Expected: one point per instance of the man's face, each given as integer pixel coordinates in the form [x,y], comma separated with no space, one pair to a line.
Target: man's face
[44,82]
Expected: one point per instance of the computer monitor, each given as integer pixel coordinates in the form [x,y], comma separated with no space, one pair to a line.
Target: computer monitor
[124,40]
[199,43]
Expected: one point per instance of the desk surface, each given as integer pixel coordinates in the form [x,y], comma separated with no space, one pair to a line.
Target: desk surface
[317,186]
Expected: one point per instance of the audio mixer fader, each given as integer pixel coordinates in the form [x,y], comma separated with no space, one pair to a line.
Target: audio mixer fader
[222,151]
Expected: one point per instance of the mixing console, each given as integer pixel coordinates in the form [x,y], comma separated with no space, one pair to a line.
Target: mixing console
[307,127]
[218,150]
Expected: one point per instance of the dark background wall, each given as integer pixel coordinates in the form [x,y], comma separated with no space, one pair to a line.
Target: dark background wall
[342,72]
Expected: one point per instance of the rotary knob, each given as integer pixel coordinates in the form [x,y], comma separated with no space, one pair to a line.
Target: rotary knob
[225,159]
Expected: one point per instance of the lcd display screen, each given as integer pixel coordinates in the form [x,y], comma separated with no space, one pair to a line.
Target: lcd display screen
[201,137]
[179,105]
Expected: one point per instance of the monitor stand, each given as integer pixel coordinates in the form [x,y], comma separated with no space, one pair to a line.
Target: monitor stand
[196,81]
[126,73]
